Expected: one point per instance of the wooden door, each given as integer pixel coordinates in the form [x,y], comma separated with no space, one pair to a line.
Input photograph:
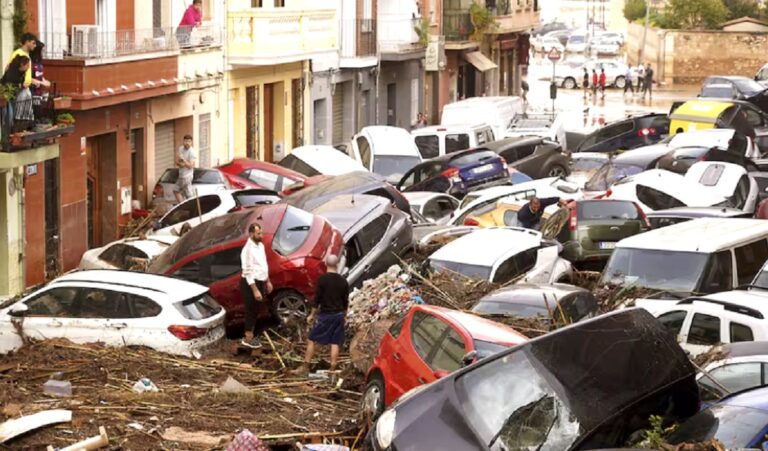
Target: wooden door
[269,122]
[94,193]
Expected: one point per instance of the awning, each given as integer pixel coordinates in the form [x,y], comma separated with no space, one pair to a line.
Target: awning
[480,61]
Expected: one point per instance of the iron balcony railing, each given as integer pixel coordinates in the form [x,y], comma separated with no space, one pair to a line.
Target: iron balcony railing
[457,25]
[27,122]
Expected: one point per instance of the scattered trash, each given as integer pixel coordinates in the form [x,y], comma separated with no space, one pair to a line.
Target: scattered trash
[318,447]
[57,387]
[177,434]
[246,441]
[386,296]
[144,385]
[232,385]
[14,428]
[136,426]
[94,442]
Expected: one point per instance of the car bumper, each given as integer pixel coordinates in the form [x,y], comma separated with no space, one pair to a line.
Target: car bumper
[464,188]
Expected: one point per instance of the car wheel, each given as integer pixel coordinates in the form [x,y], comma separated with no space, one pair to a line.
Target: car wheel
[556,171]
[373,398]
[620,82]
[569,83]
[290,304]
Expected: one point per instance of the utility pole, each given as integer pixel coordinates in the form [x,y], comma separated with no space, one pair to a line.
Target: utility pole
[645,32]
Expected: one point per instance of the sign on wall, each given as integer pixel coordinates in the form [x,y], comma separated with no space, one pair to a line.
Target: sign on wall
[434,59]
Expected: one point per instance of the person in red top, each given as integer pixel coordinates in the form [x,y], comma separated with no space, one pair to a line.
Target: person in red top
[601,81]
[193,17]
[594,84]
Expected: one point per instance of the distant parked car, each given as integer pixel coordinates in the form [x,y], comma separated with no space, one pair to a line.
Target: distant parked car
[501,255]
[435,207]
[312,161]
[427,344]
[545,44]
[126,254]
[538,157]
[603,46]
[627,134]
[248,173]
[558,302]
[117,308]
[439,140]
[737,88]
[296,244]
[204,181]
[374,231]
[570,76]
[384,150]
[537,124]
[670,216]
[590,229]
[457,173]
[577,43]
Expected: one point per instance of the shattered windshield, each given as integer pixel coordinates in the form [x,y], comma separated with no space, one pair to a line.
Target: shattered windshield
[655,269]
[510,415]
[465,269]
[609,174]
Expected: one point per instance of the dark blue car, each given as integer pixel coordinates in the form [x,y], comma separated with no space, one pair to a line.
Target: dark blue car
[737,421]
[457,173]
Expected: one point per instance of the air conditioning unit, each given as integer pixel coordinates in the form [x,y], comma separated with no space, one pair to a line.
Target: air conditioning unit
[85,40]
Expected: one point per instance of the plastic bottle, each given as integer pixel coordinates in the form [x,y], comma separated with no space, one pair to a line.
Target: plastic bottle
[144,385]
[57,388]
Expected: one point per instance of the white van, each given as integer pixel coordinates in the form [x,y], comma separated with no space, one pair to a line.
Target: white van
[497,112]
[438,140]
[384,150]
[703,256]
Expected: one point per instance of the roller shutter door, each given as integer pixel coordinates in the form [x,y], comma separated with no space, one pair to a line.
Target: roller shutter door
[164,147]
[338,114]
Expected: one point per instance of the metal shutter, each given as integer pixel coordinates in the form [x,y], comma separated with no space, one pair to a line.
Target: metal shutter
[338,114]
[164,147]
[204,141]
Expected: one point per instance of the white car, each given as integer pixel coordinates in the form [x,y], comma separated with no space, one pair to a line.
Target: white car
[703,322]
[387,151]
[439,140]
[741,367]
[496,111]
[728,180]
[601,46]
[613,36]
[204,181]
[126,253]
[538,124]
[320,160]
[503,254]
[435,207]
[197,210]
[577,43]
[117,308]
[545,44]
[570,77]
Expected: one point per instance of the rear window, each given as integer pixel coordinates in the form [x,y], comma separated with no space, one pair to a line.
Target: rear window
[293,231]
[656,199]
[429,146]
[474,157]
[471,271]
[206,177]
[454,143]
[249,199]
[712,174]
[603,209]
[196,308]
[293,162]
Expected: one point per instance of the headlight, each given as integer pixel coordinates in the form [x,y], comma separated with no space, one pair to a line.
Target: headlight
[385,428]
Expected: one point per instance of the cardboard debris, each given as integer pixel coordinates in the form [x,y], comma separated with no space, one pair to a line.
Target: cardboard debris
[177,434]
[232,385]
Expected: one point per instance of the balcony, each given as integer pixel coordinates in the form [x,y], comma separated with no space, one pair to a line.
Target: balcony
[457,25]
[274,36]
[397,36]
[358,43]
[513,16]
[31,123]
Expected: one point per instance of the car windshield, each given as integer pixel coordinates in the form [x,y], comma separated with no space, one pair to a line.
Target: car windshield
[576,40]
[655,269]
[393,167]
[748,86]
[199,176]
[293,231]
[761,279]
[486,348]
[586,164]
[200,307]
[471,271]
[510,309]
[607,209]
[734,426]
[512,406]
[609,174]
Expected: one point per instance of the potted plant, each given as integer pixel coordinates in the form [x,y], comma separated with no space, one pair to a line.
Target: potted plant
[62,103]
[7,93]
[65,119]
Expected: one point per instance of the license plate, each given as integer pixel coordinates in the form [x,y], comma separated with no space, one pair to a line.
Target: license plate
[483,168]
[607,245]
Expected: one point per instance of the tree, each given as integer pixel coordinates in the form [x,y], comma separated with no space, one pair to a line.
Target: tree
[634,9]
[695,14]
[742,8]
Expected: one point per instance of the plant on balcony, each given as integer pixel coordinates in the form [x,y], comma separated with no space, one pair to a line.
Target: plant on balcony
[422,30]
[7,93]
[65,119]
[483,21]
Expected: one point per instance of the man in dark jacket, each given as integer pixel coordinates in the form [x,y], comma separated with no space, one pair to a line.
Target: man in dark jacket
[530,215]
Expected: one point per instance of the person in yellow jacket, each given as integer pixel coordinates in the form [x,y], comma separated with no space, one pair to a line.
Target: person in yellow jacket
[23,99]
[28,44]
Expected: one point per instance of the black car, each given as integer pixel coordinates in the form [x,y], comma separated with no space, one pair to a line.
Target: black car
[359,182]
[630,133]
[585,386]
[565,303]
[457,173]
[535,156]
[735,88]
[681,159]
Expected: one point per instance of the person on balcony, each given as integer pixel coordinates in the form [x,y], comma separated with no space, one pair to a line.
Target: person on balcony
[193,17]
[36,56]
[21,104]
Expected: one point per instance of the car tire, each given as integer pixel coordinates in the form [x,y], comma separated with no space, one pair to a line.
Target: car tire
[569,83]
[290,304]
[556,171]
[372,403]
[620,82]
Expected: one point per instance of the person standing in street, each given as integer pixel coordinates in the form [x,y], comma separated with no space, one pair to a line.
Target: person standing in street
[629,80]
[192,18]
[585,83]
[594,84]
[524,88]
[330,306]
[601,80]
[254,283]
[185,161]
[648,82]
[640,77]
[530,214]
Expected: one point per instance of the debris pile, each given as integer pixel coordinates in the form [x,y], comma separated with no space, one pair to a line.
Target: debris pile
[451,290]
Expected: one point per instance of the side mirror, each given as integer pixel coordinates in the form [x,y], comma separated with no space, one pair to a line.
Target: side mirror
[469,358]
[19,310]
[441,374]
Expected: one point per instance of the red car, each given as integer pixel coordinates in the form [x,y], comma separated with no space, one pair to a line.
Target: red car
[247,173]
[296,243]
[427,344]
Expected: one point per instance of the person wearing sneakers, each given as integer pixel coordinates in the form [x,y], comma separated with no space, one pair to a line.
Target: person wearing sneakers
[330,306]
[254,283]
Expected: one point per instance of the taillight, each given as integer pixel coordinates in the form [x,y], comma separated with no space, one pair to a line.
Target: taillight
[607,194]
[646,131]
[703,157]
[187,332]
[158,192]
[642,216]
[450,173]
[236,208]
[574,221]
[470,221]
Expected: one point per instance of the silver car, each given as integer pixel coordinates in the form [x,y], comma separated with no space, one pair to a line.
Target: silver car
[204,181]
[375,234]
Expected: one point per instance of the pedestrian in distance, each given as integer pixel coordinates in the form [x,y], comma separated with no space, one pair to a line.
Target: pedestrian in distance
[254,284]
[524,88]
[530,214]
[330,309]
[629,79]
[594,84]
[601,80]
[648,82]
[185,161]
[585,83]
[192,18]
[640,77]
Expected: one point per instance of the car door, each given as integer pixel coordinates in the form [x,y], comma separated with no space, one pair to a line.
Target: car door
[525,161]
[703,332]
[193,211]
[55,313]
[143,324]
[376,253]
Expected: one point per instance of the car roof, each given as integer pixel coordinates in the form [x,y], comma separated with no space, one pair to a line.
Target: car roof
[753,299]
[153,245]
[434,129]
[696,212]
[447,158]
[510,143]
[353,182]
[477,327]
[422,197]
[702,137]
[708,108]
[727,180]
[681,187]
[744,349]
[397,141]
[531,293]
[175,289]
[485,247]
[699,235]
[347,210]
[327,159]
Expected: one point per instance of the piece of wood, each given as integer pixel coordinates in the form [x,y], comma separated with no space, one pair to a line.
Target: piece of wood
[95,442]
[272,345]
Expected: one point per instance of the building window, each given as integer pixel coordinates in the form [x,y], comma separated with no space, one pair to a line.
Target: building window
[279,3]
[256,3]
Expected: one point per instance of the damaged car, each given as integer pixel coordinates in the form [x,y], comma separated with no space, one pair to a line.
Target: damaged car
[586,386]
[557,302]
[119,309]
[127,254]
